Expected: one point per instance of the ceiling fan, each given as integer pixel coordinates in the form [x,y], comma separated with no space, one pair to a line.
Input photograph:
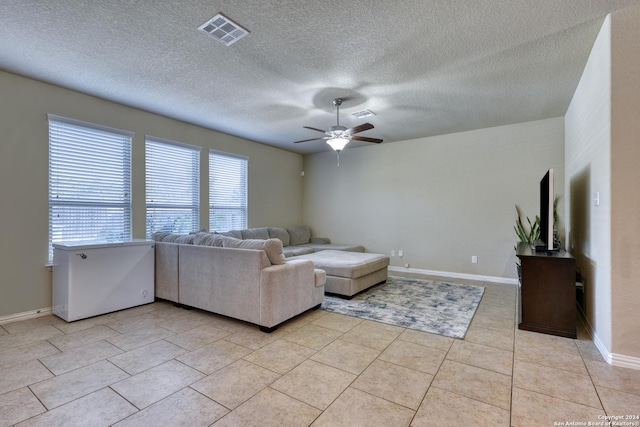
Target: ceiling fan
[339,136]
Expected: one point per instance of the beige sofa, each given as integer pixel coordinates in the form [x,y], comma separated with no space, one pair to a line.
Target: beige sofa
[248,280]
[295,241]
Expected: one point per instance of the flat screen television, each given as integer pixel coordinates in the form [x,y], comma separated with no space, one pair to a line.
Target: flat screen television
[546,241]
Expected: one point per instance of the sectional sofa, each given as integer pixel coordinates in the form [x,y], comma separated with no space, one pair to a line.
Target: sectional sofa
[295,241]
[252,275]
[249,280]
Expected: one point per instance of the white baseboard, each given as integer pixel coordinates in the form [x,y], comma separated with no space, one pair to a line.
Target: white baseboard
[611,358]
[625,361]
[492,279]
[25,315]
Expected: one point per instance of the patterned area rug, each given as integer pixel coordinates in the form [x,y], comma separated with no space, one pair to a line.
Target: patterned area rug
[426,305]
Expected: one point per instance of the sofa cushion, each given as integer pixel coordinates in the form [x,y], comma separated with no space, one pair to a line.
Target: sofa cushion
[347,264]
[255,233]
[208,239]
[172,238]
[280,233]
[185,238]
[290,251]
[236,234]
[158,236]
[320,240]
[272,247]
[335,247]
[299,235]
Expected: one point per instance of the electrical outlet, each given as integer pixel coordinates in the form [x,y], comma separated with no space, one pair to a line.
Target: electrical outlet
[393,253]
[400,253]
[474,259]
[406,265]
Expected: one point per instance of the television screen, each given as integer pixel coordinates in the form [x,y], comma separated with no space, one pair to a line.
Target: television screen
[546,213]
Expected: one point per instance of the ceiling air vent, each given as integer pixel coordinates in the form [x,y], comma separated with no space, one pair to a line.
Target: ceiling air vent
[223,29]
[363,114]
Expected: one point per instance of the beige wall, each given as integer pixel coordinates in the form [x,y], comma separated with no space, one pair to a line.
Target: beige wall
[602,152]
[625,183]
[275,185]
[440,199]
[588,170]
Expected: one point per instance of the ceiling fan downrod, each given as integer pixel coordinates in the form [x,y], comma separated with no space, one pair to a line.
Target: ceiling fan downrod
[337,102]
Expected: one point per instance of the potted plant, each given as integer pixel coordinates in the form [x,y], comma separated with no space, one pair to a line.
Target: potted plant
[531,234]
[528,235]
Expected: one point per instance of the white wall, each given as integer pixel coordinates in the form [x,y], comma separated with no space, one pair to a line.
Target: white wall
[588,170]
[440,199]
[275,185]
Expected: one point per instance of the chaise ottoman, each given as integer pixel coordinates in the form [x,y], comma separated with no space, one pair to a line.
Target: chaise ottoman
[349,272]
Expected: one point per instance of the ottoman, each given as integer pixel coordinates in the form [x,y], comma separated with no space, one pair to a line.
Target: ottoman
[349,272]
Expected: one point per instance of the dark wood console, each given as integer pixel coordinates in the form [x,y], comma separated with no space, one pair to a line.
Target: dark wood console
[547,292]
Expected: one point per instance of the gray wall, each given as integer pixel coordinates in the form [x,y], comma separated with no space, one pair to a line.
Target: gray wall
[440,199]
[275,185]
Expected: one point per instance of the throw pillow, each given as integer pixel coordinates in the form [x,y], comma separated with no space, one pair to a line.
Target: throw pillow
[208,239]
[171,238]
[159,236]
[186,238]
[299,235]
[272,247]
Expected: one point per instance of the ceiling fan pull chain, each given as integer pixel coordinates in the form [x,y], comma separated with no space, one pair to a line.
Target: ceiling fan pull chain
[338,158]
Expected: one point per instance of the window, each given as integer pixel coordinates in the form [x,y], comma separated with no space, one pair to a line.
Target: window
[89,182]
[173,186]
[227,191]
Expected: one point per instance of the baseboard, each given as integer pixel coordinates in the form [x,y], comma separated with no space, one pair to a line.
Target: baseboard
[594,336]
[491,279]
[611,358]
[625,361]
[25,315]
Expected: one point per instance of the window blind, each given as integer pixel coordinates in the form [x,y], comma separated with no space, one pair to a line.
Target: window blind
[172,186]
[227,191]
[89,182]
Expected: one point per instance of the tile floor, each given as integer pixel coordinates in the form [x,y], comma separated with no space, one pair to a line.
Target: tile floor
[159,365]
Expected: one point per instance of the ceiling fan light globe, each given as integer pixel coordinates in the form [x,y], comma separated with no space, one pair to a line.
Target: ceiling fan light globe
[338,143]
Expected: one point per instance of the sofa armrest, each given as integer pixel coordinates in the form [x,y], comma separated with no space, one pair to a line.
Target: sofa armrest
[287,290]
[320,240]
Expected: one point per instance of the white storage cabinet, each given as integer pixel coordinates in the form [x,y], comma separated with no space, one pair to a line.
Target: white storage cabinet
[93,278]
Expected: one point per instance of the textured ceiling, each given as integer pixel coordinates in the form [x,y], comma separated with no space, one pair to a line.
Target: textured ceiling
[425,67]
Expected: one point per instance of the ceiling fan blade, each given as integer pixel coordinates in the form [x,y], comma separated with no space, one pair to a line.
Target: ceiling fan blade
[309,127]
[365,139]
[361,128]
[305,140]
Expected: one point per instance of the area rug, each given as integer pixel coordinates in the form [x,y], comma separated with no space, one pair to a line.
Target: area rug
[437,307]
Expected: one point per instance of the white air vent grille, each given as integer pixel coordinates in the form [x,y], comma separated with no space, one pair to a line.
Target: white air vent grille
[223,29]
[363,114]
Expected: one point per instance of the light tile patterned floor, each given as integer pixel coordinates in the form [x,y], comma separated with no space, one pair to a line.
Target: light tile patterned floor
[159,365]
